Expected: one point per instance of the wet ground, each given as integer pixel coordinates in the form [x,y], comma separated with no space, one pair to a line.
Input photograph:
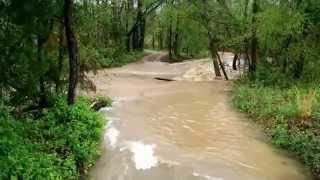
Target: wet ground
[183,129]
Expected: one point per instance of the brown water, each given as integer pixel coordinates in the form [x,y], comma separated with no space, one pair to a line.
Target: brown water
[181,130]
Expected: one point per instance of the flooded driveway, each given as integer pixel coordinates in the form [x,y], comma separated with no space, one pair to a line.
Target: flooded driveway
[183,129]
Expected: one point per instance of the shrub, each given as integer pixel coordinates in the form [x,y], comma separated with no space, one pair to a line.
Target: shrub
[93,59]
[99,102]
[62,144]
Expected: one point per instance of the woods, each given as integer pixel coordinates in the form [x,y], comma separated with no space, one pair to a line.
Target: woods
[281,37]
[48,47]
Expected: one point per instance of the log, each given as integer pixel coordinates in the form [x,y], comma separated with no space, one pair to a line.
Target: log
[164,79]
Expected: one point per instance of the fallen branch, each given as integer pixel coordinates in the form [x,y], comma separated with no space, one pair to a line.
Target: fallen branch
[164,79]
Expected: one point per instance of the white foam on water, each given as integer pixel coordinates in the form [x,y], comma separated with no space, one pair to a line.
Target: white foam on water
[190,121]
[169,163]
[189,128]
[112,135]
[205,176]
[143,155]
[106,109]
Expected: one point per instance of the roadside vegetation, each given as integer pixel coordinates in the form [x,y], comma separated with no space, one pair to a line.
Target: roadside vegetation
[290,115]
[60,142]
[281,87]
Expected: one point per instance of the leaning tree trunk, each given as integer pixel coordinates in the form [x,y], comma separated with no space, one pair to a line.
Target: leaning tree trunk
[212,50]
[73,52]
[222,66]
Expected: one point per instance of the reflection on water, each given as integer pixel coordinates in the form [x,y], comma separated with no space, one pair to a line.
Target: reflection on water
[181,130]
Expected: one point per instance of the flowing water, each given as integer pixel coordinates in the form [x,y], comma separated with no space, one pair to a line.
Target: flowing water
[181,130]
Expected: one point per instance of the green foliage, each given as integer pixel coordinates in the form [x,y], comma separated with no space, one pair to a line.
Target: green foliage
[59,145]
[287,36]
[107,58]
[119,57]
[188,34]
[105,100]
[279,109]
[25,29]
[305,144]
[276,24]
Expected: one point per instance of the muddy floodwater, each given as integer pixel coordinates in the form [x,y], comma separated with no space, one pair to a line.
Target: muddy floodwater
[183,129]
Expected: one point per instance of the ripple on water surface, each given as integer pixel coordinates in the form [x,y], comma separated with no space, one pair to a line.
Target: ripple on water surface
[185,131]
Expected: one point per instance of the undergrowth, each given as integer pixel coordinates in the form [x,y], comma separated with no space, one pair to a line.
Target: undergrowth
[60,144]
[291,116]
[95,58]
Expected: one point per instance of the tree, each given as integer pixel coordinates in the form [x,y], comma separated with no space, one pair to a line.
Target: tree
[208,20]
[73,51]
[135,37]
[254,39]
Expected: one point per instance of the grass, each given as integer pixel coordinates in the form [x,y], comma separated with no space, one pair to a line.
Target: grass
[291,116]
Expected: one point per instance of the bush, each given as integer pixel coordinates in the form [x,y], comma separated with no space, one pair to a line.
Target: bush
[62,144]
[290,114]
[119,57]
[108,57]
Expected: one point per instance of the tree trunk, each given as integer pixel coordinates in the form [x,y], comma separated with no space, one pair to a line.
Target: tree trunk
[176,39]
[246,41]
[140,27]
[73,52]
[170,39]
[222,66]
[153,41]
[212,50]
[142,32]
[234,62]
[135,37]
[254,39]
[160,40]
[115,21]
[128,42]
[60,57]
[286,58]
[298,68]
[128,36]
[43,101]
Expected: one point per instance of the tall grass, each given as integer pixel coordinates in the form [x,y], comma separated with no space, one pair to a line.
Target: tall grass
[305,104]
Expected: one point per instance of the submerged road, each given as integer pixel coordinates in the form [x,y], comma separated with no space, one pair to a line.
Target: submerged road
[183,129]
